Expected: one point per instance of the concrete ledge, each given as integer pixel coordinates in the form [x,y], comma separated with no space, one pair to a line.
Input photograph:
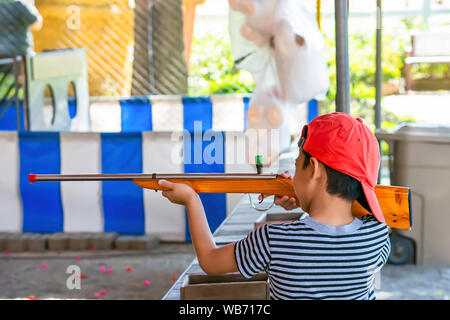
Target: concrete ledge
[58,242]
[2,242]
[35,242]
[15,243]
[78,241]
[122,243]
[74,241]
[103,241]
[146,242]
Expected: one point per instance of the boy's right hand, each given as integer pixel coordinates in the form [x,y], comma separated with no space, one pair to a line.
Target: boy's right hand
[285,202]
[178,193]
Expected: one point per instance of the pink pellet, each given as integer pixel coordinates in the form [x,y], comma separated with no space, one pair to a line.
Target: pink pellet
[6,253]
[109,271]
[97,295]
[102,268]
[103,292]
[146,282]
[44,266]
[78,258]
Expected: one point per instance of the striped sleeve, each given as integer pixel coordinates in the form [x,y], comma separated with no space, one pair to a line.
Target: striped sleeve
[252,253]
[386,249]
[383,237]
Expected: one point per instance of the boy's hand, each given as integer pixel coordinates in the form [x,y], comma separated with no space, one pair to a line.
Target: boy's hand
[285,202]
[179,193]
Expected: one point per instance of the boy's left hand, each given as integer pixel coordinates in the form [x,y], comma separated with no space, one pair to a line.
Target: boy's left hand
[285,202]
[179,193]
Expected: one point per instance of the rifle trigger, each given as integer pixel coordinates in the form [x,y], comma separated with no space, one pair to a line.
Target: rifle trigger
[256,207]
[262,199]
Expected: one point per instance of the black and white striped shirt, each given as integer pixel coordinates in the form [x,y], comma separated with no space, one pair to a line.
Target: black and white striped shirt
[307,259]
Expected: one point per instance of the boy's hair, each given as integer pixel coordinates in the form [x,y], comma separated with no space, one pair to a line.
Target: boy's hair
[338,183]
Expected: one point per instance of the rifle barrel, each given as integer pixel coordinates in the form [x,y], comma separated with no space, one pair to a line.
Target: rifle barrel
[137,176]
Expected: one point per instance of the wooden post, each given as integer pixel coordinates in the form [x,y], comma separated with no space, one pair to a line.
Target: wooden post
[188,26]
[318,13]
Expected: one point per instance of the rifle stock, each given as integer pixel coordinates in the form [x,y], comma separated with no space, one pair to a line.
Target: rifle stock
[394,201]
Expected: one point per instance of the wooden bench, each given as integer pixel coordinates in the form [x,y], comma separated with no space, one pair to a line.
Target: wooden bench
[427,47]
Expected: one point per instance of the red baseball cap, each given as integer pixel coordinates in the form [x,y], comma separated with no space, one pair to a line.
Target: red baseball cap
[347,145]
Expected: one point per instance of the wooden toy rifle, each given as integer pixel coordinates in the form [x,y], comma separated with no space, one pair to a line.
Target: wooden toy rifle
[394,201]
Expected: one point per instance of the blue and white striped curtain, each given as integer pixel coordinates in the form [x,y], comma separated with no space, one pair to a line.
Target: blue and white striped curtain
[134,139]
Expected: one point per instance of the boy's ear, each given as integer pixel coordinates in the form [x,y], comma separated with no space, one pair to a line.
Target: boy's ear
[316,168]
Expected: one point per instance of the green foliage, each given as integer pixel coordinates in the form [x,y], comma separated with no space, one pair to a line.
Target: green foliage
[8,87]
[427,70]
[212,70]
[389,123]
[362,54]
[362,71]
[424,70]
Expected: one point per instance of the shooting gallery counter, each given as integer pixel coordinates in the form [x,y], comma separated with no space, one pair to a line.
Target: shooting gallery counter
[237,225]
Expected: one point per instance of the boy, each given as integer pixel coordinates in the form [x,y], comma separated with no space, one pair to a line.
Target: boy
[327,255]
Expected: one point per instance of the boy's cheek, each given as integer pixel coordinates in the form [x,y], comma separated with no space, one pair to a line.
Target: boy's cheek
[299,184]
[296,183]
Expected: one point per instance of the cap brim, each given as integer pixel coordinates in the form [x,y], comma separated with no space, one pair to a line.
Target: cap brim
[372,202]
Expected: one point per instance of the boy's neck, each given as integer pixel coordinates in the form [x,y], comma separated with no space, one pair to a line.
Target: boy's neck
[331,210]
